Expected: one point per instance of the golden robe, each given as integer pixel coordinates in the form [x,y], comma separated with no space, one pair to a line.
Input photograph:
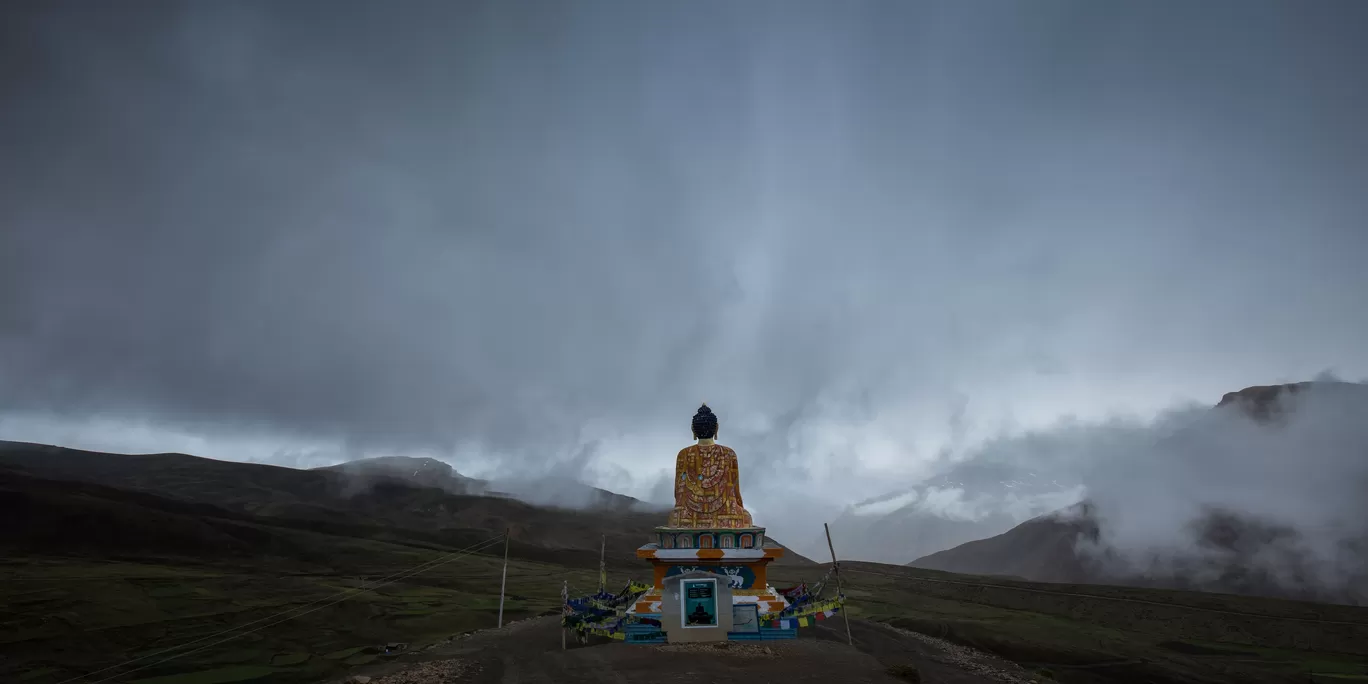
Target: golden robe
[708,489]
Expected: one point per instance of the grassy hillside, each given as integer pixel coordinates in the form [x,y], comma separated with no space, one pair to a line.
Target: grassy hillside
[63,618]
[93,576]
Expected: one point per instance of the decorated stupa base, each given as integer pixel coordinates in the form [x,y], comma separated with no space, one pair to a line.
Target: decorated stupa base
[710,584]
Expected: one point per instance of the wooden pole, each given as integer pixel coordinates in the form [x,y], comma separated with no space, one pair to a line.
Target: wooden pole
[836,570]
[565,598]
[603,572]
[503,584]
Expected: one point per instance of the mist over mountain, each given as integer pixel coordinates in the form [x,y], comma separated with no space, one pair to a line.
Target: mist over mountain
[1272,484]
[427,472]
[1265,493]
[968,501]
[539,490]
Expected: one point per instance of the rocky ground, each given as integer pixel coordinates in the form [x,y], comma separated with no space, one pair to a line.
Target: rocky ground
[424,672]
[939,654]
[530,653]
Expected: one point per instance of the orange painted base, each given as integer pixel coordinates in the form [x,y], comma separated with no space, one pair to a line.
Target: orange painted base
[660,567]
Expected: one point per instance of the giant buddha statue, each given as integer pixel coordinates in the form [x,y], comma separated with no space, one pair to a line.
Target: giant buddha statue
[710,544]
[707,484]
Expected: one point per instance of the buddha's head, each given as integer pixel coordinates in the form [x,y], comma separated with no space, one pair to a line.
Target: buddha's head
[704,423]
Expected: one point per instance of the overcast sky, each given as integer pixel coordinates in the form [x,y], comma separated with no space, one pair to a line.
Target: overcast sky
[537,235]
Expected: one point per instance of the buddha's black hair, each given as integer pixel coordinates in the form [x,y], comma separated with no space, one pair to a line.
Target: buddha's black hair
[704,423]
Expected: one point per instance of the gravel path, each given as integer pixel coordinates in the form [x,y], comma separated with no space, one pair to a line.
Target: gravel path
[727,648]
[529,653]
[970,660]
[430,672]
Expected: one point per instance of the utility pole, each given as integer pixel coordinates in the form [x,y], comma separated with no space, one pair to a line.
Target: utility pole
[503,584]
[836,570]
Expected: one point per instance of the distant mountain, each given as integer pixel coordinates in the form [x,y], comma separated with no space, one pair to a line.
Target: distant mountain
[1268,403]
[970,501]
[1040,549]
[906,533]
[426,472]
[416,501]
[1046,548]
[538,491]
[561,493]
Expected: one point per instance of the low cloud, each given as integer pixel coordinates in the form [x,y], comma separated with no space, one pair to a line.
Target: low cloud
[1284,502]
[885,506]
[1266,495]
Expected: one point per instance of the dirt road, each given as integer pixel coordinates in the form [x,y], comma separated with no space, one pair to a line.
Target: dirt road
[529,653]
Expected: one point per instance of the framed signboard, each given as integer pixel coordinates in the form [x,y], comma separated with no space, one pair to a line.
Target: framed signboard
[746,618]
[699,602]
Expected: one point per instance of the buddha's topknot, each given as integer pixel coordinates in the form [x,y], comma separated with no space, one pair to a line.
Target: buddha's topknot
[704,423]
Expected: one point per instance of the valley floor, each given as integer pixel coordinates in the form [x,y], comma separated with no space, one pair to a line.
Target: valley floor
[67,619]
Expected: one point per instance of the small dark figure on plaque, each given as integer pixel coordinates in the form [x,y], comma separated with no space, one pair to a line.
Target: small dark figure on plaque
[700,616]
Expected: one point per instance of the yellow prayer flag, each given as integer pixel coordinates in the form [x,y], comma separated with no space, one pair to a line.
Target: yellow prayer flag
[802,622]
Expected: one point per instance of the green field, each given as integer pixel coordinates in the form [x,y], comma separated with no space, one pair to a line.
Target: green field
[70,617]
[67,617]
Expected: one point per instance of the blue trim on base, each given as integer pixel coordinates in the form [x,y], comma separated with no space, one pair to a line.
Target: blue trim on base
[642,634]
[650,634]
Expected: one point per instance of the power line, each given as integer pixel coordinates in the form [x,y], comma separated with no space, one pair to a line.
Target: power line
[335,599]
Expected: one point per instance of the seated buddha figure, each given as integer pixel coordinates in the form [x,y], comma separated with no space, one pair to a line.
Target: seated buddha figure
[707,486]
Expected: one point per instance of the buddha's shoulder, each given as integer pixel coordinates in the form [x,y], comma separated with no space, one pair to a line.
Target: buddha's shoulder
[711,448]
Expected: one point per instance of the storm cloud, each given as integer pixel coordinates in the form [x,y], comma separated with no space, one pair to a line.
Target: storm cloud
[534,236]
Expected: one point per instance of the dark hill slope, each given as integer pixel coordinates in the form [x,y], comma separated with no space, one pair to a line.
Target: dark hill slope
[54,518]
[232,485]
[66,518]
[1040,549]
[337,501]
[372,505]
